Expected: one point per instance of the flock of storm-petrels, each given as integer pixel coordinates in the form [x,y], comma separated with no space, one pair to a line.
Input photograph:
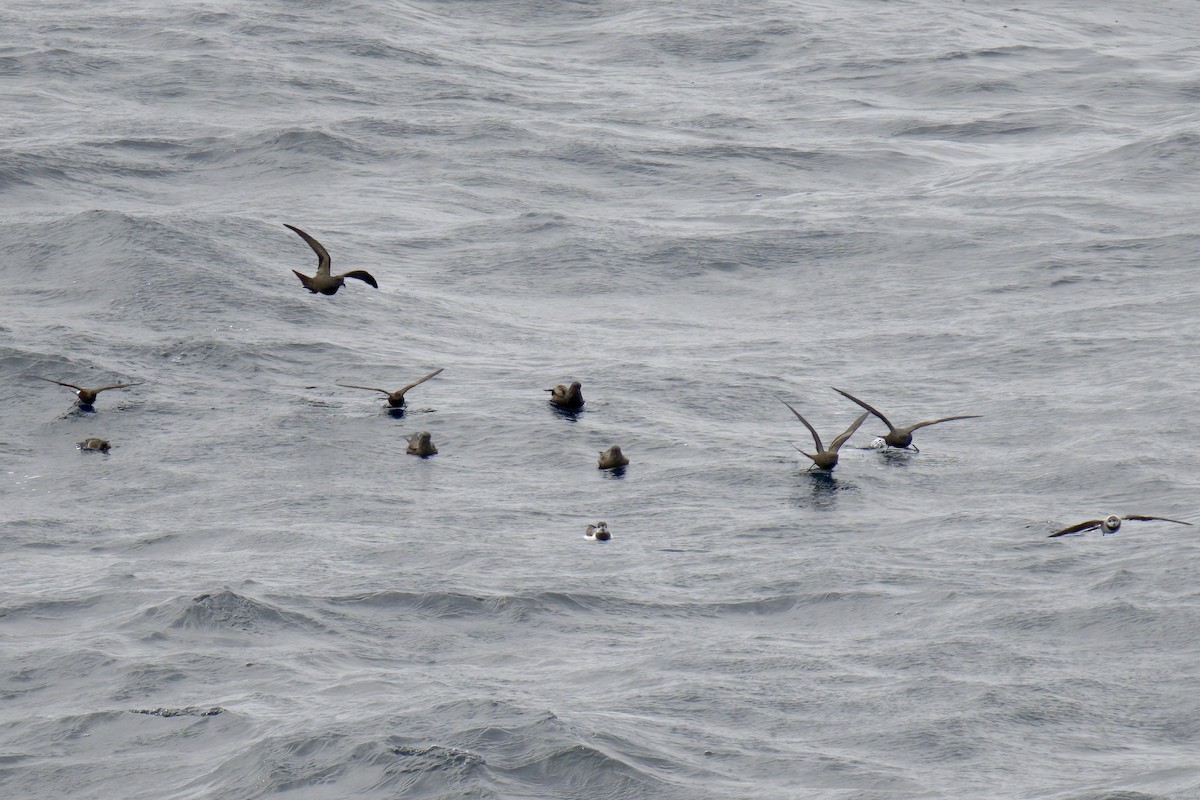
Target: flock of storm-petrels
[570,398]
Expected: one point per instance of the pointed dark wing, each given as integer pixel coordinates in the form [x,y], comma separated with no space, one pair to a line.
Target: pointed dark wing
[841,439]
[116,386]
[359,274]
[60,383]
[872,409]
[421,380]
[368,388]
[1164,519]
[816,438]
[806,455]
[912,428]
[1080,528]
[323,260]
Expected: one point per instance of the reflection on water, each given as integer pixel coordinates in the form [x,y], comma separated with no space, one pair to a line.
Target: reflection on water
[896,458]
[571,415]
[615,473]
[823,489]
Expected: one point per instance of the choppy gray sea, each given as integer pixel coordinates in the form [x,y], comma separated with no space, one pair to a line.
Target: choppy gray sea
[696,209]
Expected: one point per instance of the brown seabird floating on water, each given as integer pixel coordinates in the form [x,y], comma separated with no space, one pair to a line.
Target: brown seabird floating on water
[396,398]
[612,458]
[92,443]
[1110,524]
[568,397]
[900,437]
[87,396]
[421,444]
[826,459]
[598,532]
[323,282]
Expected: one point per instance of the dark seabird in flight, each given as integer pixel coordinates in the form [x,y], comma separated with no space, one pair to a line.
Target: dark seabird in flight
[901,437]
[87,396]
[323,282]
[94,444]
[826,459]
[612,458]
[568,397]
[396,398]
[1110,524]
[421,444]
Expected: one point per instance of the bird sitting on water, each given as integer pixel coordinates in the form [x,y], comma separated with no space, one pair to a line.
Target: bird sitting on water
[826,459]
[421,444]
[323,282]
[612,458]
[94,444]
[396,398]
[598,532]
[87,396]
[1110,524]
[900,437]
[568,397]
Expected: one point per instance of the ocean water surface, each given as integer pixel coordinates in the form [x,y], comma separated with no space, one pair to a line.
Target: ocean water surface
[696,209]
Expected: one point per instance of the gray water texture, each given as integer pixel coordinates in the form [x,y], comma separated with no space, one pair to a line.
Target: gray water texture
[696,209]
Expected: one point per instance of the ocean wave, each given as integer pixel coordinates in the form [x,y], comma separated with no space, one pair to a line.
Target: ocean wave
[226,611]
